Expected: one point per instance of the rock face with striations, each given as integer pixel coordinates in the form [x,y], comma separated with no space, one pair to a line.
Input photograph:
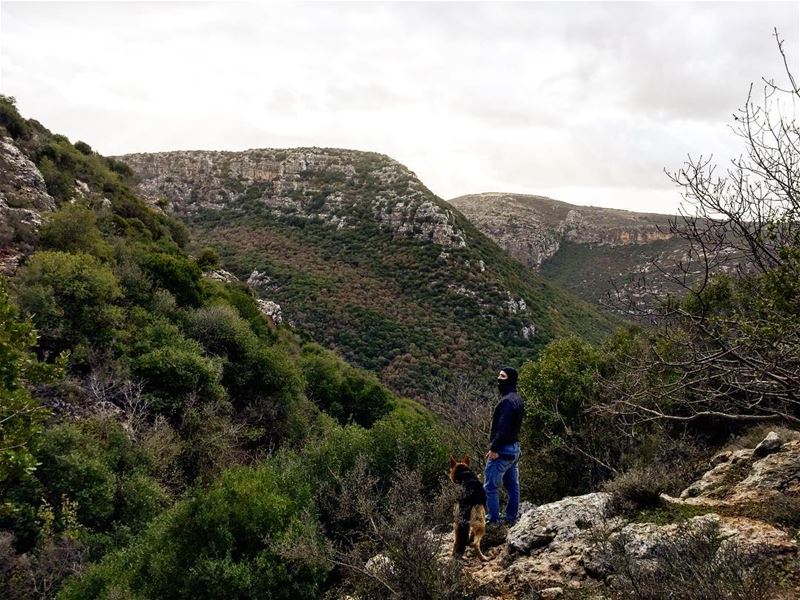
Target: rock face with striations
[533,228]
[596,253]
[23,199]
[298,182]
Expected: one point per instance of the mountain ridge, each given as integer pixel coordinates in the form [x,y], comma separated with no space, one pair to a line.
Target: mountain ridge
[591,251]
[360,253]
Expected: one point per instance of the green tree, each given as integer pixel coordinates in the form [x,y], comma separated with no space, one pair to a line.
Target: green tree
[570,448]
[21,416]
[70,298]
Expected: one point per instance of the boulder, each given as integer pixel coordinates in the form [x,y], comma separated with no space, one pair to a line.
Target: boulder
[749,476]
[771,443]
[270,309]
[560,522]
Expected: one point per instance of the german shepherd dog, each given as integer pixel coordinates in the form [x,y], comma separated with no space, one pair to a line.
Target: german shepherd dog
[470,512]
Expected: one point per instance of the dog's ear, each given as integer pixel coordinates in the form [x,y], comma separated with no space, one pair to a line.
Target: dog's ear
[452,461]
[466,459]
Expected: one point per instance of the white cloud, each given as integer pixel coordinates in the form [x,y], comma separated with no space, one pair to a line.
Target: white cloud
[584,102]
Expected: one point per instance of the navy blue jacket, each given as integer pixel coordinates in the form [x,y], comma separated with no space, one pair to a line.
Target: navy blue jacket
[506,421]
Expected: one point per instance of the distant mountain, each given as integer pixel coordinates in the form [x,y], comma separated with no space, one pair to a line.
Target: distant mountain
[363,257]
[586,249]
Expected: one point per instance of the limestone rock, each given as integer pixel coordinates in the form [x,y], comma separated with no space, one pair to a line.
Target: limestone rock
[559,522]
[270,309]
[533,228]
[259,280]
[745,476]
[221,275]
[299,183]
[21,183]
[23,199]
[771,443]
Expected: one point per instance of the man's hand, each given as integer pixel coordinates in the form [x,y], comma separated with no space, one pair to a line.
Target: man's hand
[492,455]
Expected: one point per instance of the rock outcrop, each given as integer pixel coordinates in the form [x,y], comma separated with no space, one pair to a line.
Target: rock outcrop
[306,183]
[596,253]
[258,282]
[533,228]
[577,541]
[23,199]
[762,474]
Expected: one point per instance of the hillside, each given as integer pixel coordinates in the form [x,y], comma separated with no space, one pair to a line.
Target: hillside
[150,402]
[364,258]
[582,248]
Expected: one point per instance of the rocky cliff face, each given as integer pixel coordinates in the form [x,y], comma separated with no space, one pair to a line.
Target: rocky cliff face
[23,200]
[308,183]
[593,252]
[533,228]
[724,521]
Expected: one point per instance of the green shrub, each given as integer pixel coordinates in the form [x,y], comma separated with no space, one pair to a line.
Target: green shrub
[172,375]
[208,259]
[83,147]
[73,228]
[637,489]
[222,543]
[70,298]
[21,415]
[11,120]
[341,391]
[141,499]
[72,466]
[179,275]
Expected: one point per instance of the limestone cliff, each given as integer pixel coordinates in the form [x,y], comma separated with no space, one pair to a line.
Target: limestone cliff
[591,251]
[533,228]
[298,182]
[23,199]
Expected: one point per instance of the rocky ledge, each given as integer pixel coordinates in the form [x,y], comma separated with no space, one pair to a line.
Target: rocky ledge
[576,543]
[337,187]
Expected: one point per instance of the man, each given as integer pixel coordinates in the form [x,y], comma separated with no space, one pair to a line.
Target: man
[502,465]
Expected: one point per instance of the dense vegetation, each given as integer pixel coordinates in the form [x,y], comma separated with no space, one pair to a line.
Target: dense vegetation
[155,422]
[412,310]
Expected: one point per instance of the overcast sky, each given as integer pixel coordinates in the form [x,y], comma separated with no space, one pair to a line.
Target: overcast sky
[584,102]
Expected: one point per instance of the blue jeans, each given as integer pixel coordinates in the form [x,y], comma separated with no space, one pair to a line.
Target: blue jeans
[505,472]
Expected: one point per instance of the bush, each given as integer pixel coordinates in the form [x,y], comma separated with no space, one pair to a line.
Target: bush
[70,298]
[21,415]
[179,275]
[341,391]
[83,147]
[11,120]
[696,562]
[223,543]
[637,489]
[172,375]
[208,259]
[571,450]
[73,228]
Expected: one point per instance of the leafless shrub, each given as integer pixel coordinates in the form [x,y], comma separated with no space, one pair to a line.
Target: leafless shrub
[397,549]
[465,404]
[40,573]
[726,354]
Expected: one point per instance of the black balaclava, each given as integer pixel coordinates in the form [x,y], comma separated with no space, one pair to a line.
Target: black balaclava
[510,383]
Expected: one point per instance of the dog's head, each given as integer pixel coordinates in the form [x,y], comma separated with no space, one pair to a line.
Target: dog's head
[457,465]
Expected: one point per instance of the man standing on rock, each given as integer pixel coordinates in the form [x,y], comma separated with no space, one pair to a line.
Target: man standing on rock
[502,465]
